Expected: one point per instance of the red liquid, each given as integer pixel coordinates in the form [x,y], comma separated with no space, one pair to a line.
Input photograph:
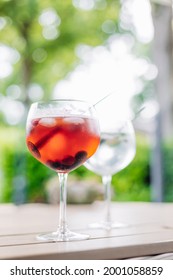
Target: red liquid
[63,143]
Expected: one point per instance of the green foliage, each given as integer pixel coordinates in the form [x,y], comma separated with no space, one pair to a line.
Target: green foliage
[168,170]
[36,176]
[23,178]
[133,182]
[9,143]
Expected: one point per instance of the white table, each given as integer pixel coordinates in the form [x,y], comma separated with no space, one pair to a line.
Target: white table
[149,235]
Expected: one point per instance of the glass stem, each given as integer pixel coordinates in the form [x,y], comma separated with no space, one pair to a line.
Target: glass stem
[63,202]
[107,185]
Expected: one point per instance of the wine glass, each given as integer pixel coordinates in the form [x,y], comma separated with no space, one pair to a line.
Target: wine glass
[62,134]
[116,150]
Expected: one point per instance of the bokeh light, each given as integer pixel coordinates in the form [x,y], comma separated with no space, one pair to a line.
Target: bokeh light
[50,20]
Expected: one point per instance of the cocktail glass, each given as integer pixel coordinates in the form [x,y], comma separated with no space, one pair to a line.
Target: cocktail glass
[116,150]
[62,134]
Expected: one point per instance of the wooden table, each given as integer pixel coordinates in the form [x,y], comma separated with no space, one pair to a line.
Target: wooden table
[150,231]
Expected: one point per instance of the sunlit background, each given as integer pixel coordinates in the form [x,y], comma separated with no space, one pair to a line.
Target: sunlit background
[81,49]
[110,67]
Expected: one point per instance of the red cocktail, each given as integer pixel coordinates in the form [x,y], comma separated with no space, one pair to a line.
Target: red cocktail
[62,143]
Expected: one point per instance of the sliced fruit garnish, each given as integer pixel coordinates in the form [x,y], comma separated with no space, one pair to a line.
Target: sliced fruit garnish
[33,149]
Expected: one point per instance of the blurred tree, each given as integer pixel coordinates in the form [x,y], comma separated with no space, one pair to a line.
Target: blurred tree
[45,34]
[40,39]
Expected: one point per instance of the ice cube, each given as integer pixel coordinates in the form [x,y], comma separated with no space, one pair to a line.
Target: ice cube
[74,120]
[49,122]
[74,124]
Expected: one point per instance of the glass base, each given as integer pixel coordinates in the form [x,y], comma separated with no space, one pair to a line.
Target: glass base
[107,225]
[58,236]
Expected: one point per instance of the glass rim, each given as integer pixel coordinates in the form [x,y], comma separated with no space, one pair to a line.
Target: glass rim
[62,99]
[52,104]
